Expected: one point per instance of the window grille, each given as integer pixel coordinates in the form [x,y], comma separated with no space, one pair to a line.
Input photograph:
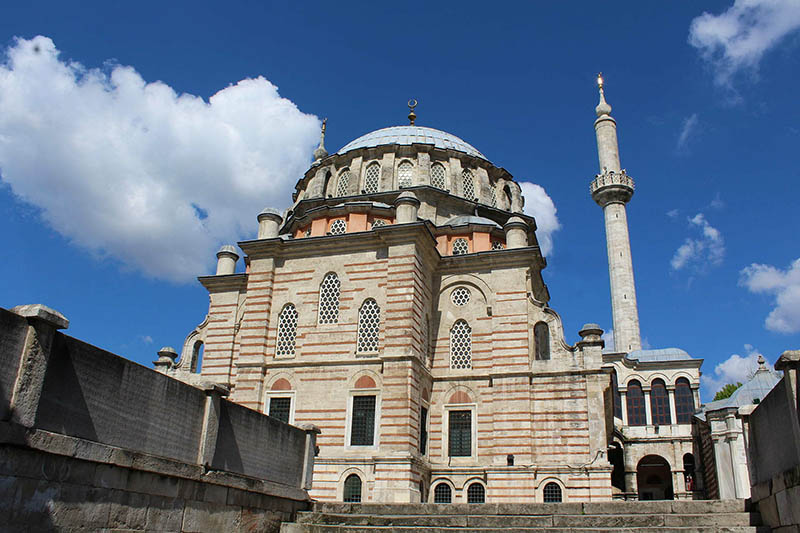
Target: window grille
[460,434]
[460,247]
[460,296]
[476,493]
[541,336]
[369,324]
[659,404]
[423,430]
[372,178]
[404,174]
[362,429]
[468,184]
[378,223]
[338,227]
[438,179]
[494,198]
[461,345]
[287,331]
[279,408]
[329,299]
[498,245]
[635,404]
[442,493]
[617,396]
[344,183]
[552,493]
[352,489]
[684,401]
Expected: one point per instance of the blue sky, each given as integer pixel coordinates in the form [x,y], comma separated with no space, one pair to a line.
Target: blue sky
[137,138]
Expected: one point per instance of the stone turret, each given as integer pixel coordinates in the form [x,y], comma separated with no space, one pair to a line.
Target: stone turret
[612,188]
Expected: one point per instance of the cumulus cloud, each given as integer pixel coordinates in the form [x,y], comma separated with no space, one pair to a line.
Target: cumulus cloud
[706,250]
[735,369]
[737,39]
[784,285]
[540,206]
[689,128]
[137,172]
[608,336]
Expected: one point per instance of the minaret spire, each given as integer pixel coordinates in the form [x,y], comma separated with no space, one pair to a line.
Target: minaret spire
[612,189]
[321,152]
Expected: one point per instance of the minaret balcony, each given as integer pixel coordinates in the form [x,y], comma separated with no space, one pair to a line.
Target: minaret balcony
[611,186]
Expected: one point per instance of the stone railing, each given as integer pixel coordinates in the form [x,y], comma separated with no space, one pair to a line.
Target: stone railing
[611,178]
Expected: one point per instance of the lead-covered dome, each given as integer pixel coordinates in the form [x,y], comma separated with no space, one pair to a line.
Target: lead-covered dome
[408,135]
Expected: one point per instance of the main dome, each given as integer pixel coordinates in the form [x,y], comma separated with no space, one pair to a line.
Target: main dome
[408,135]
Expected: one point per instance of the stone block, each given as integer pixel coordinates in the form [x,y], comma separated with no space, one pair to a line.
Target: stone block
[211,493]
[80,507]
[788,504]
[768,508]
[110,476]
[204,517]
[152,484]
[127,509]
[165,514]
[262,521]
[761,490]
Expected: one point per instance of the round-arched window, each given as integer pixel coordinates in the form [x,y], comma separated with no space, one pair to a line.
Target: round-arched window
[461,345]
[442,493]
[404,171]
[287,331]
[438,176]
[552,493]
[352,489]
[476,493]
[468,184]
[369,325]
[372,178]
[329,291]
[635,404]
[684,401]
[344,183]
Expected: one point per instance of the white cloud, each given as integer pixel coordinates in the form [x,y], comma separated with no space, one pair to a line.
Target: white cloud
[540,206]
[706,250]
[690,125]
[736,39]
[146,339]
[784,285]
[134,171]
[673,213]
[735,369]
[608,336]
[717,202]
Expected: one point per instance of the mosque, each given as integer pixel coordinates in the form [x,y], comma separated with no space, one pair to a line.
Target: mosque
[399,306]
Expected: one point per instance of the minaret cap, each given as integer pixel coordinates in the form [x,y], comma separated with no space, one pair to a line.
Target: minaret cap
[321,152]
[411,115]
[602,108]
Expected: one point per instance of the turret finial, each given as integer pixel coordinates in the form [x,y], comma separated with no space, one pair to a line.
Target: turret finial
[411,105]
[761,362]
[321,152]
[602,108]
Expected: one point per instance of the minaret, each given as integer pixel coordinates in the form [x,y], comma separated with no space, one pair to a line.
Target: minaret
[612,189]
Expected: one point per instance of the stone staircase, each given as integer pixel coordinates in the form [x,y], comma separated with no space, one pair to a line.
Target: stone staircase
[723,516]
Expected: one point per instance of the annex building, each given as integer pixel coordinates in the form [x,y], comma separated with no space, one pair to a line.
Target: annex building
[399,306]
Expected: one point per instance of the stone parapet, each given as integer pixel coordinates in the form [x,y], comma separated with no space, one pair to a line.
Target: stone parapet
[609,186]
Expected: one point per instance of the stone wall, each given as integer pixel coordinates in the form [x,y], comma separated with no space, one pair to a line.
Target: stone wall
[91,440]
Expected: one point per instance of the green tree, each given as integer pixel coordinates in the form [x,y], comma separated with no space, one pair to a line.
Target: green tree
[726,391]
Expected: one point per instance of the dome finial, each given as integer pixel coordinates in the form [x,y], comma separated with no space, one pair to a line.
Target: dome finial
[321,152]
[602,108]
[411,105]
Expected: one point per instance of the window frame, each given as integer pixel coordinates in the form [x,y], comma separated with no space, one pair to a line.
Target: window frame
[278,331]
[270,394]
[410,177]
[630,419]
[444,186]
[369,165]
[679,383]
[473,409]
[377,349]
[349,419]
[660,409]
[338,192]
[335,322]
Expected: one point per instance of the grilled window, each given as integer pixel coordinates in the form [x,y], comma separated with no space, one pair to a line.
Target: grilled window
[684,401]
[659,403]
[404,174]
[468,185]
[438,178]
[362,430]
[279,408]
[329,299]
[442,493]
[287,331]
[338,227]
[423,430]
[617,396]
[378,223]
[352,489]
[369,325]
[552,493]
[344,183]
[460,247]
[461,345]
[541,336]
[460,296]
[635,400]
[372,178]
[460,434]
[476,493]
[498,245]
[494,198]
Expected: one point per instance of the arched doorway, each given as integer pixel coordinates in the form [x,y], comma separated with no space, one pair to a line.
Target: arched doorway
[615,457]
[654,478]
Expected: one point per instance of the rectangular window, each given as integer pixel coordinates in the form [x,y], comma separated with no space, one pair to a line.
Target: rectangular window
[362,430]
[460,433]
[423,430]
[279,408]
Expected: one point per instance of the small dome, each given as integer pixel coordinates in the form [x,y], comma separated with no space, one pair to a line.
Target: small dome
[468,219]
[408,135]
[228,249]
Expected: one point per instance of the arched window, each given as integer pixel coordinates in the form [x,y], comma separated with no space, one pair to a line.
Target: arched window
[404,170]
[442,493]
[688,472]
[476,493]
[635,400]
[369,324]
[326,183]
[460,247]
[461,345]
[338,227]
[684,401]
[197,357]
[541,338]
[287,331]
[372,178]
[438,176]
[378,223]
[659,403]
[498,245]
[329,299]
[352,489]
[344,183]
[467,184]
[616,395]
[552,493]
[507,194]
[494,198]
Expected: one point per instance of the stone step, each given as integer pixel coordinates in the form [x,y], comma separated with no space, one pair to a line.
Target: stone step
[316,528]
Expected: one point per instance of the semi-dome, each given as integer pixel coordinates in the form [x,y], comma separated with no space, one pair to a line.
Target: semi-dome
[408,135]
